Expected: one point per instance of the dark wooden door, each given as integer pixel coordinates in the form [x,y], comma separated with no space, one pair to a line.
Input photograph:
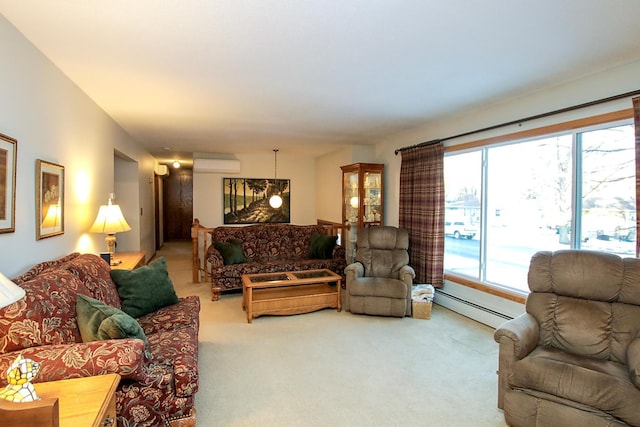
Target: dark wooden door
[178,204]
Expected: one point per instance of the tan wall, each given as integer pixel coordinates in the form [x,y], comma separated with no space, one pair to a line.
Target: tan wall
[299,169]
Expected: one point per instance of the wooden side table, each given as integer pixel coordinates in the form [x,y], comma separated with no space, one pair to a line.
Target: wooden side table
[83,402]
[128,260]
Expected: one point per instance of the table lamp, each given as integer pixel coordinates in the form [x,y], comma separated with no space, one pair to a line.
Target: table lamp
[110,221]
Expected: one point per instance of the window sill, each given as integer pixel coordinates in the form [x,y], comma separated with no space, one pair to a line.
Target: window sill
[520,297]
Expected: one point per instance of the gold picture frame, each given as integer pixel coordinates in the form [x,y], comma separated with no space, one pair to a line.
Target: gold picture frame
[8,151]
[49,199]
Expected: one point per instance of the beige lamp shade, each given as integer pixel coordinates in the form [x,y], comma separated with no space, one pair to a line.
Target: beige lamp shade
[9,291]
[110,221]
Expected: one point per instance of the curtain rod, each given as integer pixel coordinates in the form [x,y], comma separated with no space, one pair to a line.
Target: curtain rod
[526,119]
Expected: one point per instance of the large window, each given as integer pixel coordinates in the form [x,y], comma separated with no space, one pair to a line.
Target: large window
[504,202]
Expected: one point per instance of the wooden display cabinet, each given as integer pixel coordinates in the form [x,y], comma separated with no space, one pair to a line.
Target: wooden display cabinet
[362,200]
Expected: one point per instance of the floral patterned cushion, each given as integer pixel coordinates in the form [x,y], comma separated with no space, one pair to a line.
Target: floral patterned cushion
[46,315]
[172,317]
[46,265]
[124,357]
[94,272]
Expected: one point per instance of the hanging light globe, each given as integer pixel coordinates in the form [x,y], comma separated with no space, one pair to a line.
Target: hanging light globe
[275,201]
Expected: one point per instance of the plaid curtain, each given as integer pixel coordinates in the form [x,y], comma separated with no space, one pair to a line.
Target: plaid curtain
[636,119]
[421,210]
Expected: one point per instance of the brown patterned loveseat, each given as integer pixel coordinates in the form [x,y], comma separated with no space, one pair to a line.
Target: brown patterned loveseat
[158,381]
[268,248]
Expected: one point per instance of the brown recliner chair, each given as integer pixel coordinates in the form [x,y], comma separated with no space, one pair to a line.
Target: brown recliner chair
[379,282]
[573,359]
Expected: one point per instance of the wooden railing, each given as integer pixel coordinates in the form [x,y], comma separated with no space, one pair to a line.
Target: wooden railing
[201,240]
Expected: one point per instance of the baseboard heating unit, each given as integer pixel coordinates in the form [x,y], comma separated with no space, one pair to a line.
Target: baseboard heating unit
[479,306]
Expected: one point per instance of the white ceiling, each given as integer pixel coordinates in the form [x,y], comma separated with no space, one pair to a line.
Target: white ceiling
[308,76]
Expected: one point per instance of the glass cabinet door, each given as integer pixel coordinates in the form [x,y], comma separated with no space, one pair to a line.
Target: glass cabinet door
[351,197]
[372,202]
[362,201]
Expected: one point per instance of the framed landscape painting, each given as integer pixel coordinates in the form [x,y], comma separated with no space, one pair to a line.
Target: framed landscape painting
[8,147]
[49,199]
[246,200]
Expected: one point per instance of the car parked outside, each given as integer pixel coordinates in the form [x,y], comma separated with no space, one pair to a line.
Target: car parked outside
[459,229]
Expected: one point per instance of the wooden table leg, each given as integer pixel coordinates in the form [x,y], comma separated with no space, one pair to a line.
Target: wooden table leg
[249,304]
[244,296]
[215,293]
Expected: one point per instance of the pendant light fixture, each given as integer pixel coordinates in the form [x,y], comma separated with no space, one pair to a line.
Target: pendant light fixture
[275,201]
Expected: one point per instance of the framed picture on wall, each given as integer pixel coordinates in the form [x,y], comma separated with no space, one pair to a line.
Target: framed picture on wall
[49,199]
[8,147]
[247,200]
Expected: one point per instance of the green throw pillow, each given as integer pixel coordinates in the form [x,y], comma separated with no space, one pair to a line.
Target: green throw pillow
[98,321]
[231,251]
[145,289]
[321,246]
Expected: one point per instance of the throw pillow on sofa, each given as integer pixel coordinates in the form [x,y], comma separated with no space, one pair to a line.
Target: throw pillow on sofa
[231,251]
[321,246]
[98,321]
[145,289]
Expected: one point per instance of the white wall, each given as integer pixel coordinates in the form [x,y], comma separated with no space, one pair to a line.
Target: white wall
[207,187]
[54,121]
[329,184]
[612,82]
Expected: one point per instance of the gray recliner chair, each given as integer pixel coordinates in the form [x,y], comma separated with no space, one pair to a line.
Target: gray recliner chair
[573,359]
[379,282]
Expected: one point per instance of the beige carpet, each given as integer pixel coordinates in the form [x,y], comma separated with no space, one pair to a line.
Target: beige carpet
[338,369]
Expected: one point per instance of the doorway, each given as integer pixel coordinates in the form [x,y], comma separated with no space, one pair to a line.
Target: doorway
[177,196]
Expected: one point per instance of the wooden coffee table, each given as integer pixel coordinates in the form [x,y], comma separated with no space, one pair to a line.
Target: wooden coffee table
[290,292]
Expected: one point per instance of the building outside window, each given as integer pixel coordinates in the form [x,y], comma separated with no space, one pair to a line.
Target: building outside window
[504,202]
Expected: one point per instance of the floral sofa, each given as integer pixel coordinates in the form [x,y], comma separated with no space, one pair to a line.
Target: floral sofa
[269,248]
[158,381]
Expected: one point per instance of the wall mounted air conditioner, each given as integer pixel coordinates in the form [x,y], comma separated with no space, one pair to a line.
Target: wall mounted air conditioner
[216,165]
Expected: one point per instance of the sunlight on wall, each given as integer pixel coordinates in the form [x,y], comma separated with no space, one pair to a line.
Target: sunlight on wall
[82,187]
[84,214]
[85,244]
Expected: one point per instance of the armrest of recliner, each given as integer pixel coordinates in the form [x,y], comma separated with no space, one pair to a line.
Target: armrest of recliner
[354,270]
[517,338]
[633,360]
[407,274]
[523,332]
